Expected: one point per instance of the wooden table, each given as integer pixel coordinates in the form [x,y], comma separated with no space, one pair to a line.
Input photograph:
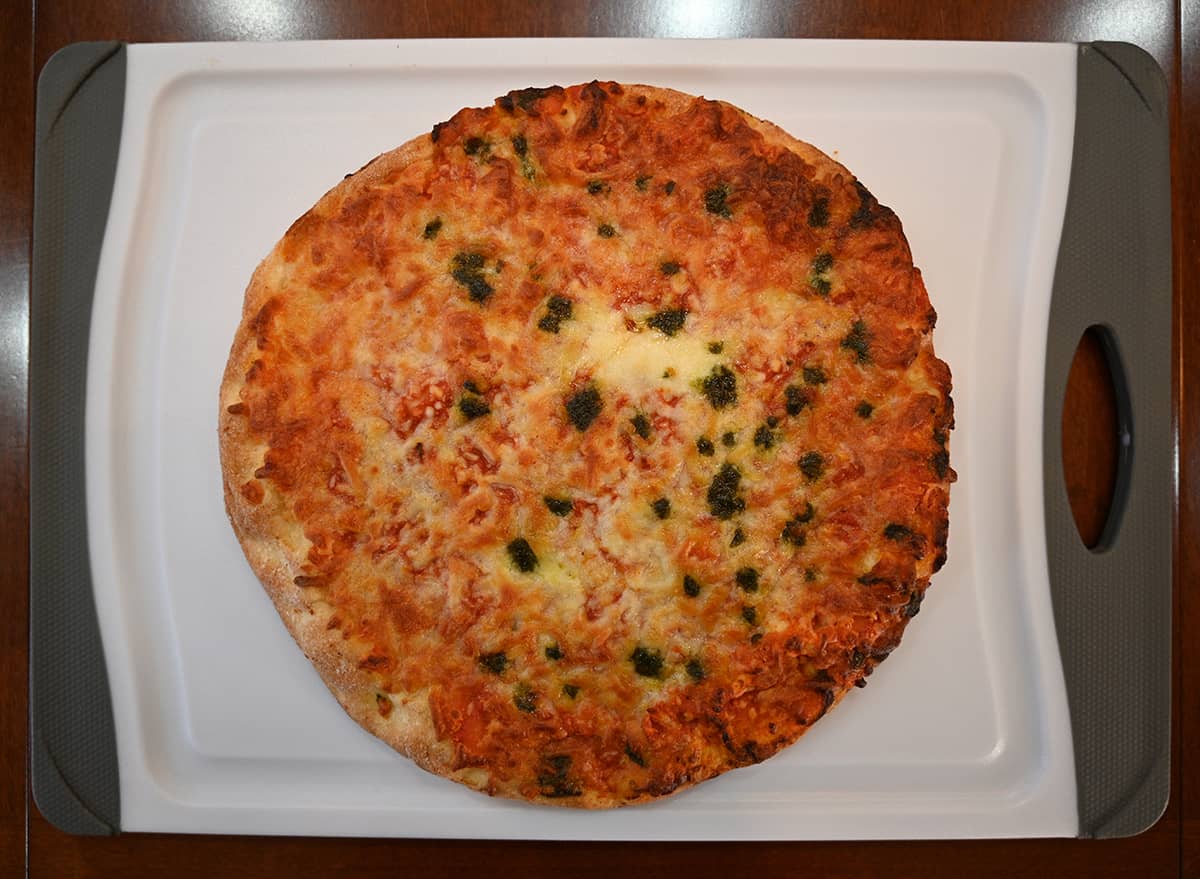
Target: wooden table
[33,31]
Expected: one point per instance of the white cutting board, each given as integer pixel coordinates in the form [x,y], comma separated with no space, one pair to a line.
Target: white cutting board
[222,725]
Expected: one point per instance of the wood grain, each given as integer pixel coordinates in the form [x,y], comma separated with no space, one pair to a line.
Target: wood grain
[1153,24]
[1089,431]
[16,192]
[1186,188]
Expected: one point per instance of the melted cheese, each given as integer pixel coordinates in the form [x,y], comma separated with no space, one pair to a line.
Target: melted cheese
[642,360]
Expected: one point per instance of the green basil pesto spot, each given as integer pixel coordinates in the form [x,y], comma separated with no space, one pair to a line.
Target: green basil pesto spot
[559,506]
[554,652]
[661,507]
[723,499]
[467,269]
[814,375]
[720,387]
[635,755]
[570,690]
[473,407]
[739,537]
[477,147]
[747,579]
[669,268]
[794,399]
[705,446]
[583,407]
[595,187]
[729,439]
[668,322]
[495,662]
[605,230]
[691,586]
[864,409]
[524,697]
[764,437]
[522,555]
[750,613]
[695,669]
[558,309]
[641,425]
[553,782]
[812,465]
[793,530]
[858,340]
[822,263]
[716,201]
[642,182]
[646,661]
[521,148]
[432,228]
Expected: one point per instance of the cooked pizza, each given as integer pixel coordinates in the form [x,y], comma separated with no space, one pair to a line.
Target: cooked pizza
[592,444]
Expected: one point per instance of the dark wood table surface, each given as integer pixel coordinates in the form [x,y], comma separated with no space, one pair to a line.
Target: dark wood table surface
[1168,29]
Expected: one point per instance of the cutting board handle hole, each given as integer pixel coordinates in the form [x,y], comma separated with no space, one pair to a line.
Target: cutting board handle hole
[1097,437]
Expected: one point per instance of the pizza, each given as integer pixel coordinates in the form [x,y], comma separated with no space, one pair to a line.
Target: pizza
[592,444]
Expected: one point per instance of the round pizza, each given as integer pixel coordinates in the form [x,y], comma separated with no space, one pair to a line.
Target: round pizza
[592,444]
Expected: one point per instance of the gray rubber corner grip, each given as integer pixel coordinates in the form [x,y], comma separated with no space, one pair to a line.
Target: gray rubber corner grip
[1112,605]
[80,101]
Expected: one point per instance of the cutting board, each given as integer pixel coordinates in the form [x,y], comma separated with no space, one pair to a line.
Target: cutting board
[1031,697]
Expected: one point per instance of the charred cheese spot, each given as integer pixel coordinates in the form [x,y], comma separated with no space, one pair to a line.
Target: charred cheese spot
[818,214]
